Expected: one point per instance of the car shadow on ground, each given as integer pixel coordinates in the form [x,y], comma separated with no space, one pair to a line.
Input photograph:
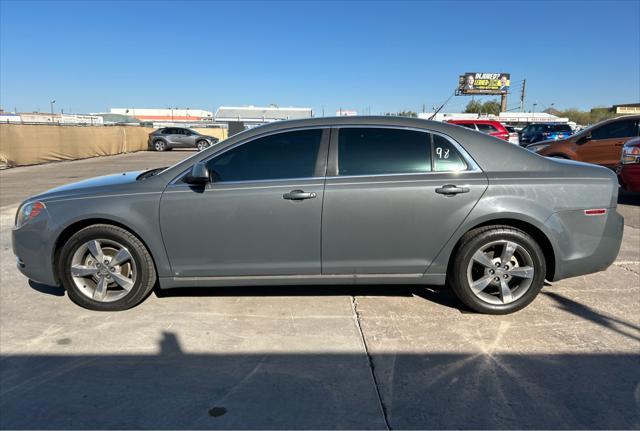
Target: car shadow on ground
[437,294]
[628,198]
[177,389]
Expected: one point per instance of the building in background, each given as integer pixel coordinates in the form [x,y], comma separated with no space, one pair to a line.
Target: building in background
[50,119]
[239,118]
[167,116]
[346,113]
[515,119]
[626,109]
[256,115]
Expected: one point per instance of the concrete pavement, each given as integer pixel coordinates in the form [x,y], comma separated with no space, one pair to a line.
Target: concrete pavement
[313,357]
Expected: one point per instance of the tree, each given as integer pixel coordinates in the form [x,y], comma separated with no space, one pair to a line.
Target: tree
[584,118]
[473,107]
[488,107]
[403,114]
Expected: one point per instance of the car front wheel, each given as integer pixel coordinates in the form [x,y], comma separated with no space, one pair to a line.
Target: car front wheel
[202,145]
[497,270]
[106,268]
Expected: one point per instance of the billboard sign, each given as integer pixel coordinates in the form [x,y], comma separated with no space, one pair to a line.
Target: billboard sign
[484,83]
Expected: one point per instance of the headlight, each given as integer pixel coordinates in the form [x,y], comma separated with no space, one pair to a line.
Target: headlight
[28,211]
[630,154]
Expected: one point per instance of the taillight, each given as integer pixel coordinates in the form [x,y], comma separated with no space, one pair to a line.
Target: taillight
[630,154]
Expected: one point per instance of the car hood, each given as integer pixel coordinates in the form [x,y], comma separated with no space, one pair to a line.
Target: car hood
[97,185]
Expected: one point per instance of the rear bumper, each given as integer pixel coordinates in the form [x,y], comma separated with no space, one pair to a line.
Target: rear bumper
[585,244]
[630,177]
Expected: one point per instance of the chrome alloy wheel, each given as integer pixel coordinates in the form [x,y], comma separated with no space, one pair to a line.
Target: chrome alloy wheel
[500,272]
[202,145]
[159,145]
[103,270]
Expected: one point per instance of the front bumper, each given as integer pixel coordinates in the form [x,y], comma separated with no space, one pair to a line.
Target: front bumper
[585,244]
[34,251]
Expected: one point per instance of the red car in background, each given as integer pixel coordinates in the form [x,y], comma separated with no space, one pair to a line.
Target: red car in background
[629,168]
[490,127]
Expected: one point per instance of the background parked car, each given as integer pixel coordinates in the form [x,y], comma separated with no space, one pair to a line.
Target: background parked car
[542,132]
[629,169]
[600,144]
[169,138]
[493,128]
[514,136]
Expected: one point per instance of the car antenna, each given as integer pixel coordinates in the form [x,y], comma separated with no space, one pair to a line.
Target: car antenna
[442,106]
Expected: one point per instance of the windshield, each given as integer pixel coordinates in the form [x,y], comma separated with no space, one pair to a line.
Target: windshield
[558,128]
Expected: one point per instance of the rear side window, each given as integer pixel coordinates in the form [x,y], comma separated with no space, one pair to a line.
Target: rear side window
[486,128]
[279,156]
[445,156]
[617,129]
[376,151]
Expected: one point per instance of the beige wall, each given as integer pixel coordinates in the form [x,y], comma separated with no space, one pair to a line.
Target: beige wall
[33,144]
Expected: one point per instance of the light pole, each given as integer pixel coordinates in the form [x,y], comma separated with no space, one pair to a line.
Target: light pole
[51,103]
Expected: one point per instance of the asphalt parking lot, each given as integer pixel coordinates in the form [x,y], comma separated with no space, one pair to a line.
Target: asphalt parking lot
[314,357]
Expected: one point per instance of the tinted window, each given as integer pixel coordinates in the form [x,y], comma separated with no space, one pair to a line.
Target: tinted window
[279,156]
[445,156]
[168,131]
[486,128]
[559,128]
[617,129]
[374,151]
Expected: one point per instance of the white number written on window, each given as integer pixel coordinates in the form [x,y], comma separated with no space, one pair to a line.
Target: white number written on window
[442,153]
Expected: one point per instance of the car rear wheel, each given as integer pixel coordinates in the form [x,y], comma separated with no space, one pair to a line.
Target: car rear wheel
[106,268]
[202,145]
[159,145]
[497,270]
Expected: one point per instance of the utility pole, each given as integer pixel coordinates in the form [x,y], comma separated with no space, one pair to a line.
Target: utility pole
[503,102]
[524,84]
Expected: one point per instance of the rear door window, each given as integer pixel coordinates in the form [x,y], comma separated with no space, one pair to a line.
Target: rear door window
[617,129]
[446,157]
[486,128]
[378,151]
[468,125]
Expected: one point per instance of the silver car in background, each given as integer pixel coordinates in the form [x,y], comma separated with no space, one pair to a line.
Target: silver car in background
[169,138]
[348,200]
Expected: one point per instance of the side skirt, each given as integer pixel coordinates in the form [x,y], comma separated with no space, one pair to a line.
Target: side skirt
[288,280]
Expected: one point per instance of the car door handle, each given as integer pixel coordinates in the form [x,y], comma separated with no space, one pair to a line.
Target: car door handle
[298,195]
[451,189]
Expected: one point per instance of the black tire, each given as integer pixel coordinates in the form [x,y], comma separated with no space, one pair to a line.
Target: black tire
[473,241]
[146,274]
[202,145]
[159,145]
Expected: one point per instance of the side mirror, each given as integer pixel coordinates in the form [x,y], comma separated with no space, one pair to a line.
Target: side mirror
[199,174]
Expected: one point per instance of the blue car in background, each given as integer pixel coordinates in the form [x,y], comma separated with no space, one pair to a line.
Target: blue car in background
[543,132]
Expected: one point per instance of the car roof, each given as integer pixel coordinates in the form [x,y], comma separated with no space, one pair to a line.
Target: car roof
[475,121]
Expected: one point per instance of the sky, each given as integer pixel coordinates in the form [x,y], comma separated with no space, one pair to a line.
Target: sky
[373,57]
